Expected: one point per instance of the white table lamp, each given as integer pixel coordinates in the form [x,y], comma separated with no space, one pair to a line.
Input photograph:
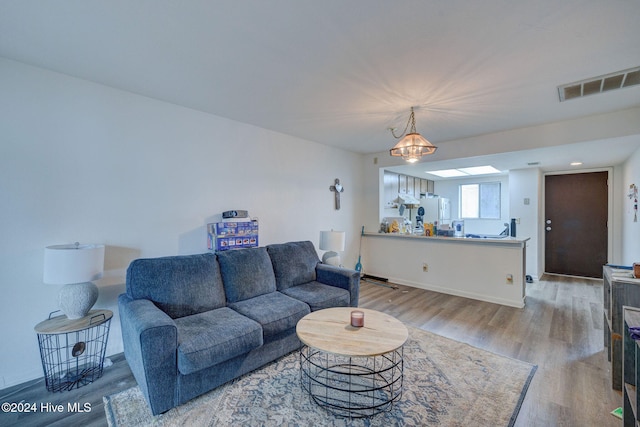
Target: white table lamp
[333,242]
[74,266]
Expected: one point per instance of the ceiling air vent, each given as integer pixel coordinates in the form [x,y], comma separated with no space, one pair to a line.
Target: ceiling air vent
[618,80]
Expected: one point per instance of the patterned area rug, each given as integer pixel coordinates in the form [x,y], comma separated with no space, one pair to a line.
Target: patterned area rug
[446,382]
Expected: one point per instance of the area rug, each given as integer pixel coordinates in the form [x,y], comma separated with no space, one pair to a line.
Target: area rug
[446,383]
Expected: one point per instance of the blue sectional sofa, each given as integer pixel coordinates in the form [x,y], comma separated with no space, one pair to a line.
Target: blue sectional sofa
[193,322]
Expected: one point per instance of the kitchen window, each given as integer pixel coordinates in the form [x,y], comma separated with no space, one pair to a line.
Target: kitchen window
[480,200]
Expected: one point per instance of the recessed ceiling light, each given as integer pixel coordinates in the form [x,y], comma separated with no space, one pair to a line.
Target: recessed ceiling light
[575,163]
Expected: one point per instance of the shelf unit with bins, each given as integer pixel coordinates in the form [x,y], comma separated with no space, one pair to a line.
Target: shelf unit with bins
[620,289]
[630,368]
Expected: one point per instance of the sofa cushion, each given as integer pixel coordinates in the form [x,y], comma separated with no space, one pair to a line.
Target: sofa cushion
[275,312]
[294,263]
[246,273]
[319,296]
[208,338]
[179,285]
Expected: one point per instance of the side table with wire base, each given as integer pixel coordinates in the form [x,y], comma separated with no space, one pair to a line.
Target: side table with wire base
[353,372]
[72,351]
[354,387]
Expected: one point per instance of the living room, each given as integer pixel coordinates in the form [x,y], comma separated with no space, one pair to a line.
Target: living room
[95,162]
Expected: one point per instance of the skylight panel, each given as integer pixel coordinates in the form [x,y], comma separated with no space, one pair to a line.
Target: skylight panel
[471,171]
[480,170]
[447,173]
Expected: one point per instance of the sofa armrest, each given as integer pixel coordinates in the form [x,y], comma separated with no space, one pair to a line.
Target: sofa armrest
[342,278]
[150,339]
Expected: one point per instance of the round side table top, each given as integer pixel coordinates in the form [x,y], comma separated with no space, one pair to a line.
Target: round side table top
[330,330]
[62,324]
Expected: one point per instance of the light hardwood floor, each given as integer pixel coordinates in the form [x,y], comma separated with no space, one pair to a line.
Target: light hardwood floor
[560,330]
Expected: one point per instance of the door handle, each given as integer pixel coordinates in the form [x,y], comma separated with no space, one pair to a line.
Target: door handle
[548,221]
[548,228]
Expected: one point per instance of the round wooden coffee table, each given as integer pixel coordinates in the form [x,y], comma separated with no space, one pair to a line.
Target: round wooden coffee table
[353,372]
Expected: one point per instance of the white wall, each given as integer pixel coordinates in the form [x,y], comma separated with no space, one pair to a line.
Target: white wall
[527,184]
[630,229]
[84,162]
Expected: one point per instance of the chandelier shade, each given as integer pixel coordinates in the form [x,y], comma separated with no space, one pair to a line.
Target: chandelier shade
[412,146]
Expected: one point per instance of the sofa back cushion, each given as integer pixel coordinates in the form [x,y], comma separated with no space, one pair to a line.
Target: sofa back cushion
[294,263]
[179,285]
[246,273]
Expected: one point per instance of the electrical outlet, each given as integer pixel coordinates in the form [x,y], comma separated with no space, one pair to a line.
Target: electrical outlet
[509,279]
[425,267]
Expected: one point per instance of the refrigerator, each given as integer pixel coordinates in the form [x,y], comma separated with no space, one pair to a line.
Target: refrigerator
[436,209]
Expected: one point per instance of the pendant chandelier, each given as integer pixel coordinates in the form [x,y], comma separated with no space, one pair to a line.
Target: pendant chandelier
[412,146]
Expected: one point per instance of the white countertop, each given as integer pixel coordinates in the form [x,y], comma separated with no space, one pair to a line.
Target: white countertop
[508,240]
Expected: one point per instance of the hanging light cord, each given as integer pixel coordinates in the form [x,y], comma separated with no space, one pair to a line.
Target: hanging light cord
[412,121]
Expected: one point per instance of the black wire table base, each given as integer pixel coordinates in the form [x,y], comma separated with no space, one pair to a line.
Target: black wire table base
[74,359]
[349,386]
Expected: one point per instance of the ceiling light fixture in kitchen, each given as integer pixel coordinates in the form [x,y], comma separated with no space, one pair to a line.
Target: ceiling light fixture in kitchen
[412,146]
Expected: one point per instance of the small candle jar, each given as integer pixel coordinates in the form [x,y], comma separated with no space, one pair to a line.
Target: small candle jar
[357,319]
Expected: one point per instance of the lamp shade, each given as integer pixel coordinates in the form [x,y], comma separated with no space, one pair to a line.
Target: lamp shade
[74,263]
[412,147]
[332,240]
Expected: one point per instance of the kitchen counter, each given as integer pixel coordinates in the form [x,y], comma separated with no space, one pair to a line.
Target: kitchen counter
[480,239]
[489,269]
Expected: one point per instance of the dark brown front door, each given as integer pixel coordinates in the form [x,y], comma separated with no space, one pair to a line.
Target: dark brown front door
[576,223]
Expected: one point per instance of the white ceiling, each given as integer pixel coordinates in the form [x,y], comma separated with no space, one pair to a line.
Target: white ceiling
[341,72]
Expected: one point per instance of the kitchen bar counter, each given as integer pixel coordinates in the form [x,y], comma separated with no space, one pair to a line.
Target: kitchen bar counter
[477,240]
[489,269]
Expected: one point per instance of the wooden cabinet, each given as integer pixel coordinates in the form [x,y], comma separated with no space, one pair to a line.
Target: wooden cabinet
[630,368]
[402,184]
[426,186]
[416,187]
[395,183]
[390,187]
[620,289]
[409,189]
